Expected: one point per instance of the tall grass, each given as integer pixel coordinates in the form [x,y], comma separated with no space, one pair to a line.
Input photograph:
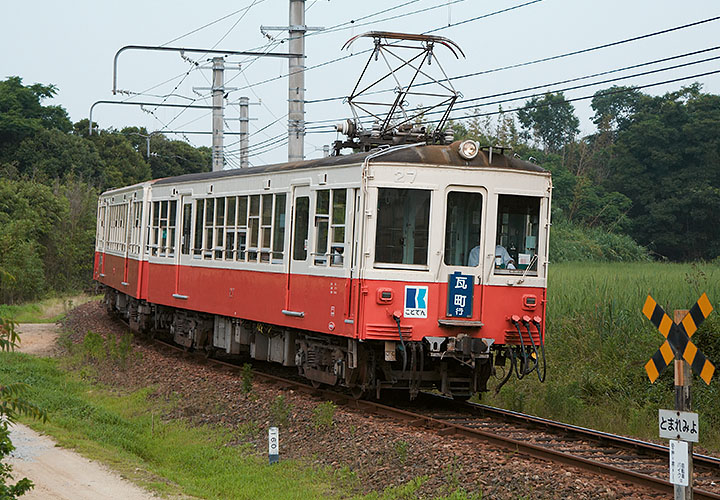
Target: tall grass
[598,342]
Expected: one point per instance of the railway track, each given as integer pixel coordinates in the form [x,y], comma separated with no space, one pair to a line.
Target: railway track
[626,459]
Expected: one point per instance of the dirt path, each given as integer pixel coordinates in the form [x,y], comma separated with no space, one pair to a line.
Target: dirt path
[38,338]
[60,474]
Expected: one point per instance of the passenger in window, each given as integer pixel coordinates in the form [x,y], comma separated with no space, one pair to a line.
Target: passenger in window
[503,260]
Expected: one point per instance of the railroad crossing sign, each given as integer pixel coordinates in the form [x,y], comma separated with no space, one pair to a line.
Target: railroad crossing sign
[678,339]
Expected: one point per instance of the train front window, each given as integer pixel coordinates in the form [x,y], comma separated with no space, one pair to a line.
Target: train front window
[516,249]
[462,228]
[403,217]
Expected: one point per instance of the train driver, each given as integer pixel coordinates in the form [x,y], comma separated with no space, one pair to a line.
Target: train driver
[502,257]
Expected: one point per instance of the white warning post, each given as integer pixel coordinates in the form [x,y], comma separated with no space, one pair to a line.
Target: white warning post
[273,445]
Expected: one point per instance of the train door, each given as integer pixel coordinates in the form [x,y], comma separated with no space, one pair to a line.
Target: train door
[354,218]
[183,255]
[463,256]
[299,261]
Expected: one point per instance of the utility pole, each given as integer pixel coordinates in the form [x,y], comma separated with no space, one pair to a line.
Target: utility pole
[244,104]
[296,83]
[218,96]
[296,78]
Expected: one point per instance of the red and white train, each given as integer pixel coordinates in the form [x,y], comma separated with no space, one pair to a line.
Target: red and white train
[374,270]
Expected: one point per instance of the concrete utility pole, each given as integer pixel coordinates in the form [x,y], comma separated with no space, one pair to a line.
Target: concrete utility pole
[244,104]
[296,78]
[296,83]
[218,96]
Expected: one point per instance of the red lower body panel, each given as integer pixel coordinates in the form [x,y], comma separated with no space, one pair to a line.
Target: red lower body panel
[330,305]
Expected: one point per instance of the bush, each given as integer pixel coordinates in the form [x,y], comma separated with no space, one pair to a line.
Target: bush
[570,242]
[323,415]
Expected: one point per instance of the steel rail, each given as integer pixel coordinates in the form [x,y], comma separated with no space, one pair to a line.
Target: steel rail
[446,428]
[698,458]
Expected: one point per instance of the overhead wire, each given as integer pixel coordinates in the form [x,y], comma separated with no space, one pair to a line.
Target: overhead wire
[548,86]
[543,59]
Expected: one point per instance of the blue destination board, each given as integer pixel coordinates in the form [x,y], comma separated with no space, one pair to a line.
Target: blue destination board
[460,295]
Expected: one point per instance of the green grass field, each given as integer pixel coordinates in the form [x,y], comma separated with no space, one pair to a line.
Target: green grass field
[44,311]
[598,342]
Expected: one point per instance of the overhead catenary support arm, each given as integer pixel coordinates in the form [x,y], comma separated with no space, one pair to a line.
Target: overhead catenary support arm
[201,51]
[138,103]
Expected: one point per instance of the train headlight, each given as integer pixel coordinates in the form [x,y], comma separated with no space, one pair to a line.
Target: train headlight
[468,149]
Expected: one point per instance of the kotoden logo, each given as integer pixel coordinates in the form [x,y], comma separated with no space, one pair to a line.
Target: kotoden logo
[416,301]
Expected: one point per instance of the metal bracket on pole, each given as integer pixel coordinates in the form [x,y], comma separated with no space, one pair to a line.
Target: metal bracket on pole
[138,103]
[296,77]
[284,55]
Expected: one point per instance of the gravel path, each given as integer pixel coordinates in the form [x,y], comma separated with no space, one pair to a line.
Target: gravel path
[378,451]
[61,474]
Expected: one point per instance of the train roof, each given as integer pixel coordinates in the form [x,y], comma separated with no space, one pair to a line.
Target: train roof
[446,155]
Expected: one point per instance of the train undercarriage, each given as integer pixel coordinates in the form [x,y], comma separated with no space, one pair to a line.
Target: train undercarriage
[456,366]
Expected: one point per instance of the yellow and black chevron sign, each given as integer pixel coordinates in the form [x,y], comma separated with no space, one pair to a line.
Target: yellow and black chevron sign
[678,339]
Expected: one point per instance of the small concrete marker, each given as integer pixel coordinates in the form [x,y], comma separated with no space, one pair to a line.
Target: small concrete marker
[273,445]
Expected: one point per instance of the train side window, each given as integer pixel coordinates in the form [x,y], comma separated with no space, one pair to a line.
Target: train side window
[517,235]
[302,214]
[136,229]
[462,228]
[100,237]
[242,221]
[219,241]
[403,217]
[154,241]
[186,228]
[199,219]
[254,228]
[330,227]
[322,224]
[230,228]
[337,227]
[209,228]
[278,244]
[266,218]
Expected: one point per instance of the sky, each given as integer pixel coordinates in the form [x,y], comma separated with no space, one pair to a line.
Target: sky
[72,45]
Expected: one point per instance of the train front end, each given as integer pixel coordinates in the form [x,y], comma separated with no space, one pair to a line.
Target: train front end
[455,257]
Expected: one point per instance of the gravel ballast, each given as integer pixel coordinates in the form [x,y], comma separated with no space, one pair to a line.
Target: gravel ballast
[374,452]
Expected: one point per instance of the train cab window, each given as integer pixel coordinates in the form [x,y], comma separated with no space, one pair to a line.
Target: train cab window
[330,227]
[302,214]
[516,250]
[401,235]
[462,228]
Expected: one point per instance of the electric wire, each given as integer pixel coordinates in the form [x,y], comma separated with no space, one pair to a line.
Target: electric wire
[210,24]
[546,59]
[348,56]
[548,86]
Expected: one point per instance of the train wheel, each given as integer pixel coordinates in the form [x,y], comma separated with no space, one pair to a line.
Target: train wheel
[357,392]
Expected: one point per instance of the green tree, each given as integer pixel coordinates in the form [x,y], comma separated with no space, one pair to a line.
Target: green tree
[53,154]
[23,115]
[614,107]
[551,120]
[667,161]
